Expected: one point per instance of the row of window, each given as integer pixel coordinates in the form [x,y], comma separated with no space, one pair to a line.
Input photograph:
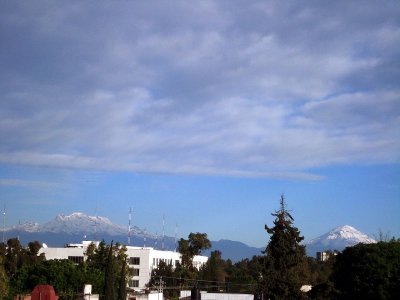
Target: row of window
[134,260]
[133,283]
[156,261]
[76,259]
[135,272]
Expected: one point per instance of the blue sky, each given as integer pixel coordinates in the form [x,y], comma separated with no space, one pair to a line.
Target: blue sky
[204,113]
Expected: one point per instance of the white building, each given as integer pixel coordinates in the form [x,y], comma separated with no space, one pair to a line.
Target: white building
[142,260]
[325,255]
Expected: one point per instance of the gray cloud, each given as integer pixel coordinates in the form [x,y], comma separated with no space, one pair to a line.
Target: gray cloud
[266,90]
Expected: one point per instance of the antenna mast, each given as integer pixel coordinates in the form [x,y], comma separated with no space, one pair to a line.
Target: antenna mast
[144,238]
[95,227]
[176,235]
[163,233]
[19,226]
[4,224]
[129,226]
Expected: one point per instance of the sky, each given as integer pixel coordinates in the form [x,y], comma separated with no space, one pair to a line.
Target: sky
[202,114]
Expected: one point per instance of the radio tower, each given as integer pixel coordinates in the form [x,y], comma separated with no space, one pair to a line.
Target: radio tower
[19,226]
[95,227]
[176,235]
[129,226]
[4,224]
[163,233]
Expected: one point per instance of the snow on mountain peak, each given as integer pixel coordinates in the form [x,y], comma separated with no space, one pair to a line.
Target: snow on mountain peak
[78,222]
[338,239]
[349,233]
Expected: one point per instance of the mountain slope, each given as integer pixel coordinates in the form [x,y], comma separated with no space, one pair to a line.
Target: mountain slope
[337,239]
[233,250]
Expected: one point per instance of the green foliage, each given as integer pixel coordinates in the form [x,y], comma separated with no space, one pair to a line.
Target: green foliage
[63,275]
[109,281]
[320,273]
[4,284]
[245,275]
[14,258]
[23,269]
[368,271]
[195,243]
[164,276]
[122,281]
[185,274]
[198,242]
[285,268]
[111,262]
[214,272]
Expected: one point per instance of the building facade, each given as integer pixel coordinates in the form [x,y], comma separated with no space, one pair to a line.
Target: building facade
[141,260]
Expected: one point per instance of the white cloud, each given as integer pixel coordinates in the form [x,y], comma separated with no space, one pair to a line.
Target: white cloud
[208,89]
[32,184]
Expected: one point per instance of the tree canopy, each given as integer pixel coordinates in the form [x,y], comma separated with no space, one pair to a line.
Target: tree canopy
[368,271]
[195,243]
[285,259]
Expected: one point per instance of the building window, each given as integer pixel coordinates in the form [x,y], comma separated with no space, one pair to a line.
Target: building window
[76,259]
[134,260]
[133,283]
[135,272]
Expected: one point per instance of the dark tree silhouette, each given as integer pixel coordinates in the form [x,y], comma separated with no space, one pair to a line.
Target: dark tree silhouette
[285,259]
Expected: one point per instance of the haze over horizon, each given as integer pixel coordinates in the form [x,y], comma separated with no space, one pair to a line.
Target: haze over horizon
[204,113]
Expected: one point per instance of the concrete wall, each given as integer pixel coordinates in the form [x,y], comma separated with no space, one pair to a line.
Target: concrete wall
[218,296]
[223,296]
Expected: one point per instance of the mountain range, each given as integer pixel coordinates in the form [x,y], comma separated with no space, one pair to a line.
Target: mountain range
[78,226]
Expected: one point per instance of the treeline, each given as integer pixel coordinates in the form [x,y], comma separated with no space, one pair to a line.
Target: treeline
[21,269]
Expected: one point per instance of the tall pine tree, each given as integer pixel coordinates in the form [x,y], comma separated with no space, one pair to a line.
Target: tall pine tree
[109,280]
[285,259]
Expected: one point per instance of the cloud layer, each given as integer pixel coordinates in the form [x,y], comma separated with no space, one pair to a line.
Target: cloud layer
[213,88]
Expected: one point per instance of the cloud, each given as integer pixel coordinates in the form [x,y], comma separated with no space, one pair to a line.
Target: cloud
[209,89]
[31,184]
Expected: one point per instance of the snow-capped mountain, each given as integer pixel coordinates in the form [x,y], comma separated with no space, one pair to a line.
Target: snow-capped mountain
[77,223]
[74,228]
[338,239]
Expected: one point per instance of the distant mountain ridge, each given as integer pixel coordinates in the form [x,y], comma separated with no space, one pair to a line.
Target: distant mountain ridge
[76,223]
[73,228]
[337,239]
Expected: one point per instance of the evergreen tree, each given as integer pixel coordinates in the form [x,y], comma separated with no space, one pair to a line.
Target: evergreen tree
[245,274]
[285,259]
[164,276]
[109,281]
[122,282]
[213,272]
